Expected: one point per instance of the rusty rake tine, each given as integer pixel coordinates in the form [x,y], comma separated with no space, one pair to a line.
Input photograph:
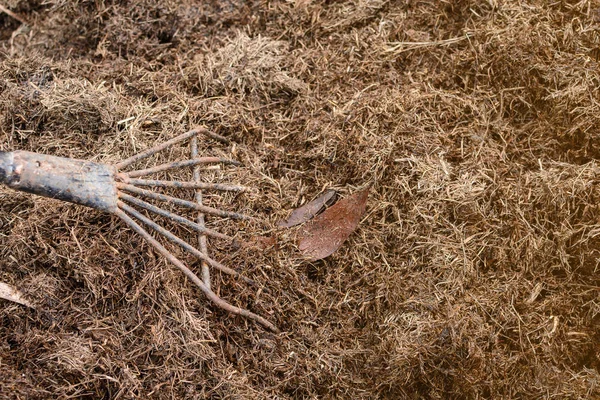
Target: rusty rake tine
[215,136]
[180,164]
[153,150]
[182,243]
[180,202]
[186,185]
[202,244]
[175,261]
[173,217]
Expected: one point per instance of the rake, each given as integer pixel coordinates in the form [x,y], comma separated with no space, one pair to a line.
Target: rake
[111,189]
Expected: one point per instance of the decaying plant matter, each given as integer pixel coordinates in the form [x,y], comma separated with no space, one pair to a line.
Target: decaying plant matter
[109,188]
[473,274]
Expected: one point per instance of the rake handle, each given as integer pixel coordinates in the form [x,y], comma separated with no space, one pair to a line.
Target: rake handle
[75,181]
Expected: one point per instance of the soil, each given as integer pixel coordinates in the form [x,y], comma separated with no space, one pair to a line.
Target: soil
[473,274]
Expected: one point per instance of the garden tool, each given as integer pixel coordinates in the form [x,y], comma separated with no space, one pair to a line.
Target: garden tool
[109,188]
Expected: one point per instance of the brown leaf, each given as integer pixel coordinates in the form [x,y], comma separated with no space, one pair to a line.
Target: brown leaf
[308,210]
[326,233]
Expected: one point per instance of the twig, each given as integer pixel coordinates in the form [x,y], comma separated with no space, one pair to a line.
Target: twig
[400,47]
[12,14]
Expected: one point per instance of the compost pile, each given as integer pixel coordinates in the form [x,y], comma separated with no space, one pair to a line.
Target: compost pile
[474,272]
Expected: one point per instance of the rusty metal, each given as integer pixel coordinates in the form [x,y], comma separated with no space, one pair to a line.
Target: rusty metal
[180,202]
[158,148]
[193,277]
[180,242]
[103,187]
[180,164]
[202,242]
[173,217]
[184,185]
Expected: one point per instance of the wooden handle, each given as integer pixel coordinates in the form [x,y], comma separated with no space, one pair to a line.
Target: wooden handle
[76,181]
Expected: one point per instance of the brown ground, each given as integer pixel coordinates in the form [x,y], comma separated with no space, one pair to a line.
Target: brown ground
[474,273]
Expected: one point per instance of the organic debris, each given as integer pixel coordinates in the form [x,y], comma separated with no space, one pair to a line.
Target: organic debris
[307,211]
[12,14]
[475,274]
[261,243]
[9,293]
[326,233]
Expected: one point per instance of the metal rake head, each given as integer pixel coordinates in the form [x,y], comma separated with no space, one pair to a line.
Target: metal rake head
[110,188]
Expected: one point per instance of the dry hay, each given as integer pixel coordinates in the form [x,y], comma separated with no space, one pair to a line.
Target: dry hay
[474,273]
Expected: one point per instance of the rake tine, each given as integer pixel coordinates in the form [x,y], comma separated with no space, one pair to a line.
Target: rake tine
[153,150]
[215,136]
[173,217]
[180,164]
[180,202]
[185,185]
[101,187]
[202,244]
[180,242]
[175,261]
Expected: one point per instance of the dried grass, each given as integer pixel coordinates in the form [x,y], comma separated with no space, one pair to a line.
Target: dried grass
[474,273]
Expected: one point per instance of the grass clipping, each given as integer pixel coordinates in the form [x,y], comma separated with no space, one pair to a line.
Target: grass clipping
[474,273]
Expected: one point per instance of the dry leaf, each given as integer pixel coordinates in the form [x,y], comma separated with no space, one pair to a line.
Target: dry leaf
[11,294]
[308,210]
[326,233]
